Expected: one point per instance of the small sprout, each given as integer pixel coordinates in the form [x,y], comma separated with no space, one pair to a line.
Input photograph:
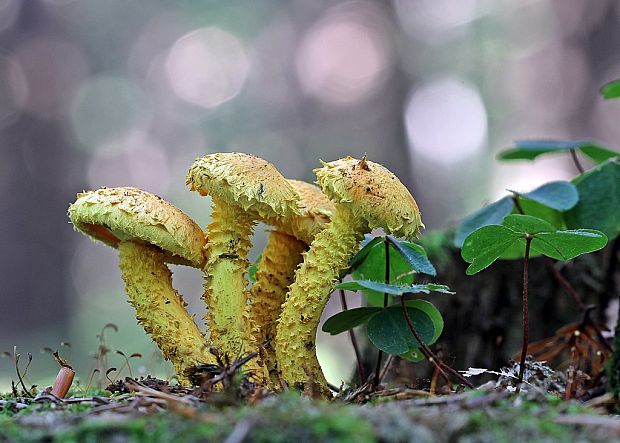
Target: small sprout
[108,372]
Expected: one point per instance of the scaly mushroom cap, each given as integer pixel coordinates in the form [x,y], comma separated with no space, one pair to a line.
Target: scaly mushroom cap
[373,193]
[111,215]
[244,180]
[315,212]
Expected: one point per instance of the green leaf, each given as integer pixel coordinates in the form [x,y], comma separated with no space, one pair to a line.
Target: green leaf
[384,288]
[253,268]
[492,214]
[599,200]
[413,355]
[373,268]
[566,245]
[349,319]
[598,154]
[559,195]
[415,256]
[367,245]
[432,312]
[535,209]
[388,329]
[530,149]
[485,245]
[610,90]
[527,224]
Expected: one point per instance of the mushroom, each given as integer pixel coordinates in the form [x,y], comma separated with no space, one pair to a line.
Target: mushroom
[367,196]
[148,233]
[280,258]
[243,189]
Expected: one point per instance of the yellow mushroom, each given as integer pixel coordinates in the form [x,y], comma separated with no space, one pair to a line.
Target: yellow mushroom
[276,269]
[243,189]
[367,196]
[148,233]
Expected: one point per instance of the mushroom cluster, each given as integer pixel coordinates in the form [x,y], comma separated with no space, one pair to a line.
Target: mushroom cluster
[315,231]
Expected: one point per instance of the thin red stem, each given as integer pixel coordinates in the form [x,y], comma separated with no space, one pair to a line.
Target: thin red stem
[439,365]
[385,303]
[358,355]
[573,155]
[526,324]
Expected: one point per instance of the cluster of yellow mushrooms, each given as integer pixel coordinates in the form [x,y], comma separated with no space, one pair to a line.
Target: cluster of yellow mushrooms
[315,233]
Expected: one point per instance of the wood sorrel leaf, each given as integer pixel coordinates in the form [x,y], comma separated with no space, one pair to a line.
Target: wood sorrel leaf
[414,254]
[599,200]
[565,245]
[559,195]
[388,329]
[530,149]
[527,224]
[485,245]
[349,319]
[492,214]
[384,288]
[610,90]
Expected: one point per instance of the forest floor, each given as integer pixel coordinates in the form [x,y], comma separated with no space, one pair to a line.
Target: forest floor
[152,410]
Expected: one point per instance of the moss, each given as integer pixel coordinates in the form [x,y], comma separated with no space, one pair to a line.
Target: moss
[289,417]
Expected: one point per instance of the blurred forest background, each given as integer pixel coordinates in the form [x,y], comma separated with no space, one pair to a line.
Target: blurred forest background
[128,93]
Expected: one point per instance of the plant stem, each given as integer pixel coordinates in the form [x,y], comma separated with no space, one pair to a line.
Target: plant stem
[385,303]
[441,367]
[573,155]
[556,274]
[526,325]
[386,367]
[568,288]
[358,355]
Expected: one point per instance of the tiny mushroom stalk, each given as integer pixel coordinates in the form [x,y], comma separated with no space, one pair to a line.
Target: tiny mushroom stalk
[148,233]
[367,196]
[276,269]
[243,189]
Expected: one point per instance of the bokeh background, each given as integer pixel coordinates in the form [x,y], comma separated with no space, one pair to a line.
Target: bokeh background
[129,92]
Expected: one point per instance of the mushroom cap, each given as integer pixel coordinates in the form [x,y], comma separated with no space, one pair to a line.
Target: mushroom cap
[244,180]
[373,193]
[315,212]
[112,215]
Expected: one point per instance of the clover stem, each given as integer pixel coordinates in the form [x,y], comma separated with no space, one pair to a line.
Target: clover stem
[358,355]
[385,303]
[565,284]
[556,274]
[526,326]
[439,365]
[573,155]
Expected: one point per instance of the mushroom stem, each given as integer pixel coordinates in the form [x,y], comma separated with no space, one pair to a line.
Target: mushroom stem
[275,273]
[315,279]
[228,245]
[160,309]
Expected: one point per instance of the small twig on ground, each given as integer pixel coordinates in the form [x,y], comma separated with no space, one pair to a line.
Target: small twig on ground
[228,371]
[241,430]
[386,367]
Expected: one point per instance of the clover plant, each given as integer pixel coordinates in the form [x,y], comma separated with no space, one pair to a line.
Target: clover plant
[559,220]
